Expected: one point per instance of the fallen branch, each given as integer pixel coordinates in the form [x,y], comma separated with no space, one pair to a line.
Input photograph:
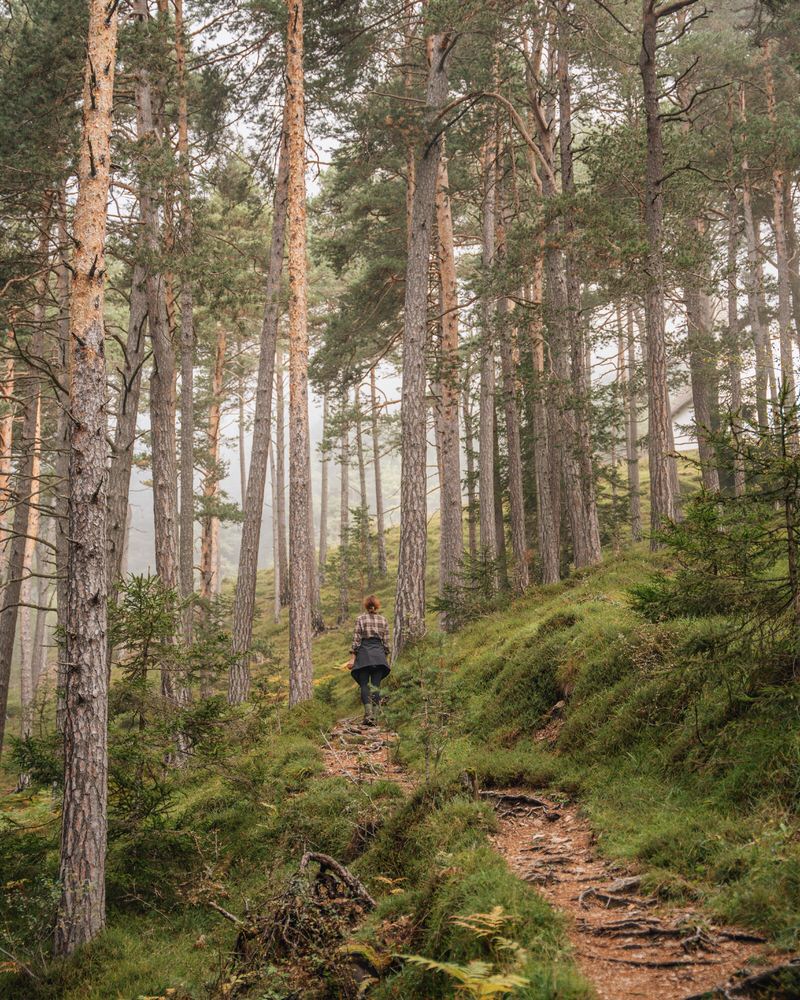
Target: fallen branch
[356,887]
[227,914]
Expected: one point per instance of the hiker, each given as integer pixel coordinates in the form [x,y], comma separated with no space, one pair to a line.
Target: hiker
[369,663]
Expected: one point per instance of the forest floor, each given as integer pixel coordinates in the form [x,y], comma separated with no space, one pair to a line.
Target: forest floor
[627,945]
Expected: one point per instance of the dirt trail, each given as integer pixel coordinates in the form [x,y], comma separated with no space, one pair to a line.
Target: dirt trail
[626,945]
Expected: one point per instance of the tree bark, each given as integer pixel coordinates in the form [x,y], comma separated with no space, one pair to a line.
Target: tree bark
[63,284]
[409,620]
[162,377]
[280,470]
[81,911]
[209,536]
[187,334]
[376,462]
[486,414]
[547,520]
[6,444]
[253,499]
[451,546]
[315,597]
[781,250]
[509,360]
[734,347]
[323,495]
[366,553]
[300,548]
[276,569]
[754,282]
[26,646]
[25,487]
[794,254]
[664,495]
[632,431]
[344,517]
[125,425]
[469,451]
[578,444]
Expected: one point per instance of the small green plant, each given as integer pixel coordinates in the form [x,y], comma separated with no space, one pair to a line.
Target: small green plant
[478,978]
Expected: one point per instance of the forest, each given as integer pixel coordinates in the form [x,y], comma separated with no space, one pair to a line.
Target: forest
[483,317]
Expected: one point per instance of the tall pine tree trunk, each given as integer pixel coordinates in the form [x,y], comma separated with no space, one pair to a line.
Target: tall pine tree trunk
[632,431]
[664,497]
[61,521]
[547,512]
[486,415]
[253,499]
[26,624]
[125,424]
[451,546]
[25,486]
[162,378]
[754,282]
[579,442]
[380,521]
[187,334]
[81,910]
[6,444]
[409,621]
[323,495]
[280,472]
[366,553]
[276,569]
[779,183]
[209,536]
[469,451]
[300,546]
[344,518]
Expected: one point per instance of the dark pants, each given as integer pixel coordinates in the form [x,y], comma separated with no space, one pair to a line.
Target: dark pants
[369,681]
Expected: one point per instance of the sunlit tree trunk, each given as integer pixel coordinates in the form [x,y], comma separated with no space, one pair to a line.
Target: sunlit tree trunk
[300,546]
[81,910]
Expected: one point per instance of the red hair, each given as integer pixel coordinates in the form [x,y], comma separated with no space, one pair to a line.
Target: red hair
[372,603]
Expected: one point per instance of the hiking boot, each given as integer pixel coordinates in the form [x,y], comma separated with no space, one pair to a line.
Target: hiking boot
[369,718]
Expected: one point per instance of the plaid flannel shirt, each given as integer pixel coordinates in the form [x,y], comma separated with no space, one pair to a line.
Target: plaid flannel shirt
[371,625]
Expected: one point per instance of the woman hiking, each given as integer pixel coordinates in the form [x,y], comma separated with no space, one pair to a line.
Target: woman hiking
[369,663]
